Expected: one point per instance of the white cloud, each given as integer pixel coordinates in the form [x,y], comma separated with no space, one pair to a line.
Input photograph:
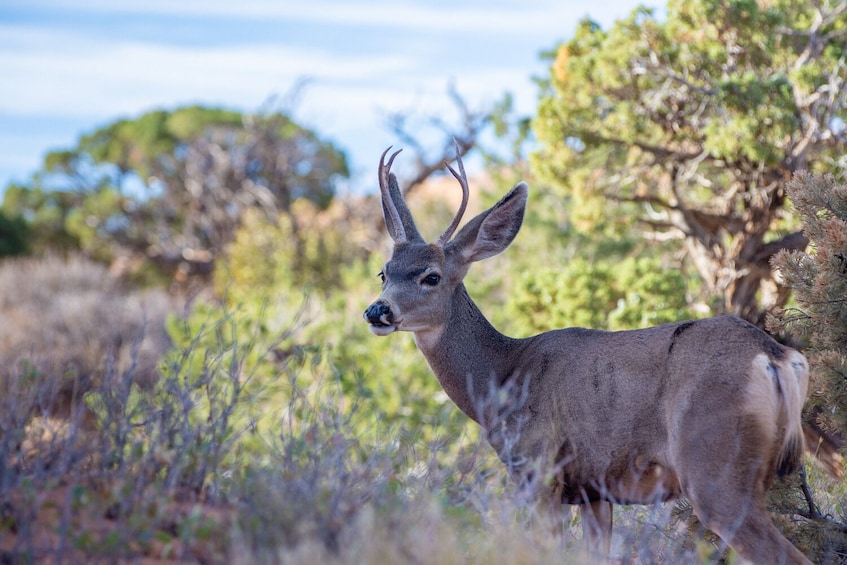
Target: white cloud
[48,70]
[506,18]
[74,75]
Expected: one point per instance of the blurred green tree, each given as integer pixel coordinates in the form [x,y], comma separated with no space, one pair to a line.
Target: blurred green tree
[693,124]
[44,212]
[13,235]
[170,187]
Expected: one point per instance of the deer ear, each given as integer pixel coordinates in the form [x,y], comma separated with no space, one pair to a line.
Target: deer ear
[493,230]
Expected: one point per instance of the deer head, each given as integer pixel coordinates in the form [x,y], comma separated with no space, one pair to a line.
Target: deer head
[420,279]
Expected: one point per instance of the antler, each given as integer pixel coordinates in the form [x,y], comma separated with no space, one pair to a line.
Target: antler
[392,214]
[463,181]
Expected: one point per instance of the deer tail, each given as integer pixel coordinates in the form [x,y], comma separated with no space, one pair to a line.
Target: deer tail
[793,384]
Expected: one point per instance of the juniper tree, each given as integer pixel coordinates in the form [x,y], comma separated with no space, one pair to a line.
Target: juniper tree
[693,123]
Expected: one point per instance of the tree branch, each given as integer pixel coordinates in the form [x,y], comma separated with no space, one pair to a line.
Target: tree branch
[465,136]
[796,241]
[661,153]
[814,511]
[642,199]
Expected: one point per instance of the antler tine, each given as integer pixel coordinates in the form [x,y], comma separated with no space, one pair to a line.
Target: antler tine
[393,214]
[463,181]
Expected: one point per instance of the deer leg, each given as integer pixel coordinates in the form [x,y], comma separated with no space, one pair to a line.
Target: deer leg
[736,511]
[597,525]
[749,530]
[729,498]
[761,542]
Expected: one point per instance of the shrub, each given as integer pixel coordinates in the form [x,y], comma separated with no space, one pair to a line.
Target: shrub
[634,293]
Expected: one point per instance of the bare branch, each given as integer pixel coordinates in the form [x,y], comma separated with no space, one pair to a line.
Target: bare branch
[462,137]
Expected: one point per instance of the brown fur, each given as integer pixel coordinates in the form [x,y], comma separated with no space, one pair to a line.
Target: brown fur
[706,409]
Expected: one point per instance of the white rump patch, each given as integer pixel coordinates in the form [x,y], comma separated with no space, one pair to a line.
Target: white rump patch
[762,389]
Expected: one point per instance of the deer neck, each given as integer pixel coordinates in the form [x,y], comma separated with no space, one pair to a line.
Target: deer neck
[468,355]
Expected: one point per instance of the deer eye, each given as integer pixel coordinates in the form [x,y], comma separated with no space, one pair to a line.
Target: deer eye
[381,276]
[431,279]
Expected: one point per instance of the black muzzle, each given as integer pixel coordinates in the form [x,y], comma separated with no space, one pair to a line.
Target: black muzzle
[379,314]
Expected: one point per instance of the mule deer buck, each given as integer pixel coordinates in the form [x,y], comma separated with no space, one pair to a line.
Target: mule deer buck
[708,409]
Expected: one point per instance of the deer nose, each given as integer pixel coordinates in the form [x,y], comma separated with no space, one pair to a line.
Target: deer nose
[379,314]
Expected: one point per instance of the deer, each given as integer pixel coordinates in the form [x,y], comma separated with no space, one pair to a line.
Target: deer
[706,409]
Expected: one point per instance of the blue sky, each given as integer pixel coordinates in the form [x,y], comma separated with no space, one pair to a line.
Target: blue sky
[70,66]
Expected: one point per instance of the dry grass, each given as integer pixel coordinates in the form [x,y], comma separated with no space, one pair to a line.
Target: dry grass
[66,324]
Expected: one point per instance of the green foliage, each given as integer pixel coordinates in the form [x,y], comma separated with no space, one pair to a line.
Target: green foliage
[687,124]
[550,298]
[14,235]
[154,147]
[88,222]
[232,351]
[169,188]
[634,293]
[45,213]
[306,250]
[146,144]
[651,294]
